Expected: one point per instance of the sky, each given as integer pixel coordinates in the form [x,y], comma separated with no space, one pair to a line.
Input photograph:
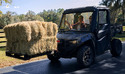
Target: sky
[22,6]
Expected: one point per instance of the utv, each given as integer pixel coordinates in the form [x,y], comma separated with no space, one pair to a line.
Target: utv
[87,43]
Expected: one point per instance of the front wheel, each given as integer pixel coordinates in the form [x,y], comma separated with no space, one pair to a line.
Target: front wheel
[85,56]
[53,56]
[116,47]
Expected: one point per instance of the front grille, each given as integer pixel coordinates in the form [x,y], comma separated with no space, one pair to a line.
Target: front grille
[67,44]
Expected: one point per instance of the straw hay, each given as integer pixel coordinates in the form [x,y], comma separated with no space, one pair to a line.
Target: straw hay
[18,31]
[31,37]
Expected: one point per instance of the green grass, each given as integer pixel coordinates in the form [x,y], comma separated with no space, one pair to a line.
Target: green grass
[2,49]
[121,36]
[122,39]
[2,54]
[123,28]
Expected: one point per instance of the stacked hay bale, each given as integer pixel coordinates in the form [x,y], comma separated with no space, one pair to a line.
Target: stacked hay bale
[31,37]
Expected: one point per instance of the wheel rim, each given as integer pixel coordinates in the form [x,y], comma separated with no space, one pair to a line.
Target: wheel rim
[87,56]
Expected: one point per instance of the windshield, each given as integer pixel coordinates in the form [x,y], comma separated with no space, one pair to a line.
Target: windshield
[76,21]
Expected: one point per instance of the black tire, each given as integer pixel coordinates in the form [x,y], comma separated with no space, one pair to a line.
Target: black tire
[116,47]
[53,57]
[85,56]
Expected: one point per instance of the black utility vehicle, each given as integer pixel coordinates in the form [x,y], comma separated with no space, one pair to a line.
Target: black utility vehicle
[89,41]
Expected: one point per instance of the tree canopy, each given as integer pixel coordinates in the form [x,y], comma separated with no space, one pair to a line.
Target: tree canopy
[117,8]
[6,1]
[47,15]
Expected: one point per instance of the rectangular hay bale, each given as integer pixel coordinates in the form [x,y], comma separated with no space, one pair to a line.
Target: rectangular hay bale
[31,37]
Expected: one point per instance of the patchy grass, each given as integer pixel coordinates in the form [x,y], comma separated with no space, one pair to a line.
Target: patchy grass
[10,61]
[122,39]
[123,28]
[121,36]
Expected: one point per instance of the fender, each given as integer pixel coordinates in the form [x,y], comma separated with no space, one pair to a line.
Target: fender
[85,38]
[88,39]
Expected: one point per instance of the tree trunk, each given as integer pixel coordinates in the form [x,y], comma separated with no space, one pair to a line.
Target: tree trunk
[123,13]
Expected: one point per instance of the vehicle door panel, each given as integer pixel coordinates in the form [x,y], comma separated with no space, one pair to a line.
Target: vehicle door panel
[103,35]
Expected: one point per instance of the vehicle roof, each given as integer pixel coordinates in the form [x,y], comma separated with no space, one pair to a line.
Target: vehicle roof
[84,9]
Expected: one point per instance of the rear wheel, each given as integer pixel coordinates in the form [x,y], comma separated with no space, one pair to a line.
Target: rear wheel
[116,47]
[85,56]
[53,56]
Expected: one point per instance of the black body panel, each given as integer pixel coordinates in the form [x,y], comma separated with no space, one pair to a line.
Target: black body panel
[70,41]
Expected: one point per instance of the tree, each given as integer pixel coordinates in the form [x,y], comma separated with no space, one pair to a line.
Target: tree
[8,17]
[2,21]
[49,16]
[117,7]
[37,17]
[52,15]
[6,1]
[44,14]
[59,15]
[22,17]
[14,17]
[30,16]
[123,9]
